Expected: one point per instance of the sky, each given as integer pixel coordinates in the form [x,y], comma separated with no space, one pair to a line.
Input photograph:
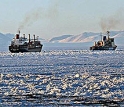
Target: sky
[52,18]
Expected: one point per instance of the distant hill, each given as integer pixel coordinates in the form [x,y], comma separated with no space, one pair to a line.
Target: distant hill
[58,39]
[5,40]
[119,38]
[86,37]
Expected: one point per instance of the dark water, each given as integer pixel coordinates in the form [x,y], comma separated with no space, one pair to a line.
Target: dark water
[62,78]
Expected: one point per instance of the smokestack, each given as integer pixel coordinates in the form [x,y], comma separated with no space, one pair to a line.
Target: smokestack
[17,36]
[29,38]
[24,35]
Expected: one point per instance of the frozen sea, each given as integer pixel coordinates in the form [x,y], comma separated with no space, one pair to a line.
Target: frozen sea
[64,77]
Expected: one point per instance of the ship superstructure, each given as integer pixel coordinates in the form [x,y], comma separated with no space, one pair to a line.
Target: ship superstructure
[106,43]
[22,44]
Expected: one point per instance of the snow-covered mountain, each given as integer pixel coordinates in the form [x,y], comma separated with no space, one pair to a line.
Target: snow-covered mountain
[58,39]
[81,38]
[86,37]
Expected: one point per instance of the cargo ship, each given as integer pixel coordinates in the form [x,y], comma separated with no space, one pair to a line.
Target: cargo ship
[106,43]
[22,44]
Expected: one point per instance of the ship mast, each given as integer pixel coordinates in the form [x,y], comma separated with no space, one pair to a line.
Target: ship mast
[108,34]
[101,36]
[19,32]
[29,38]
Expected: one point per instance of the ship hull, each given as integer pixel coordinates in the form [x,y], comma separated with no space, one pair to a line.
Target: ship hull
[15,49]
[102,48]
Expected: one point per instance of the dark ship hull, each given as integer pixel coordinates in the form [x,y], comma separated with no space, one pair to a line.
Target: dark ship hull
[102,48]
[15,49]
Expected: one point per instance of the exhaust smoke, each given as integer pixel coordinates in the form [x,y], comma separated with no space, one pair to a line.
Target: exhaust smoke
[38,14]
[113,22]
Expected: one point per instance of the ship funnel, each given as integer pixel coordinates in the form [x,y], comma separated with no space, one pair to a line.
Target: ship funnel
[29,38]
[17,36]
[24,35]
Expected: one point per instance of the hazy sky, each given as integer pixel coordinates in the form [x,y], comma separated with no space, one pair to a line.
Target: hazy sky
[51,18]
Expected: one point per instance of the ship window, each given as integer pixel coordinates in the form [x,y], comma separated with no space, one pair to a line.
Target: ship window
[112,40]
